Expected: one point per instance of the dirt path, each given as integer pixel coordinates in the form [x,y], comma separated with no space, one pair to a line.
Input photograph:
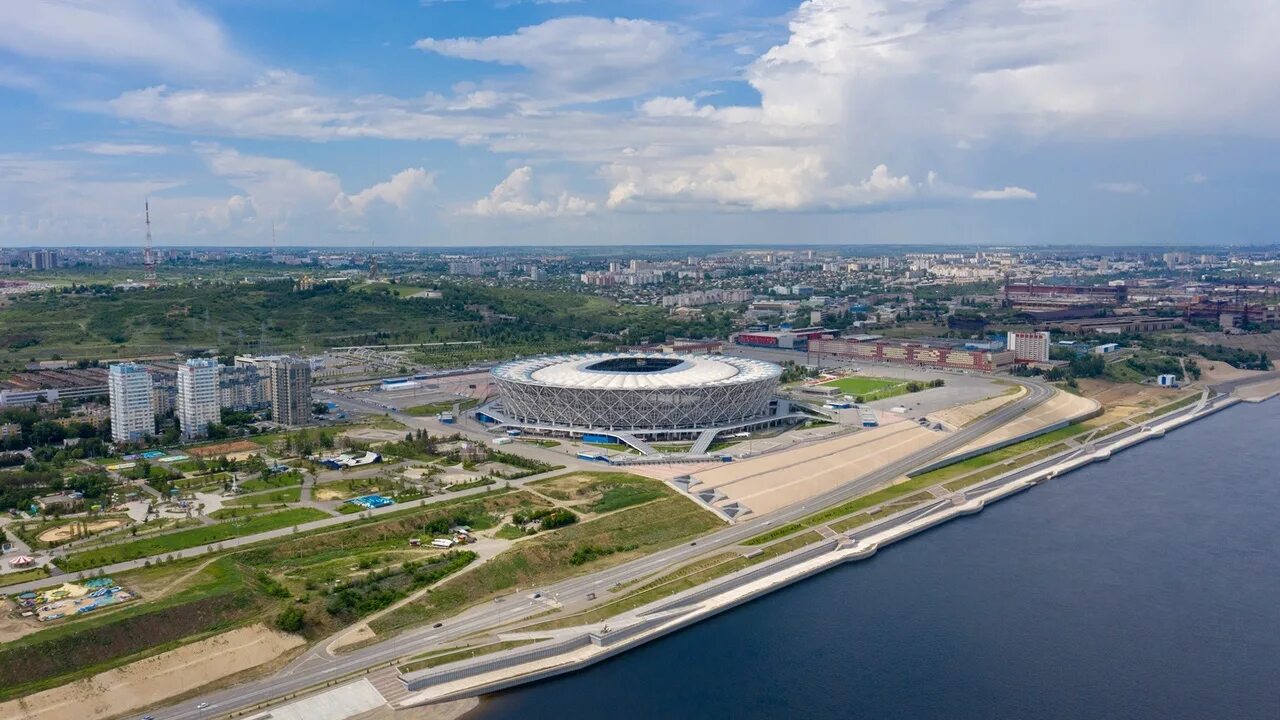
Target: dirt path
[484,549]
[150,682]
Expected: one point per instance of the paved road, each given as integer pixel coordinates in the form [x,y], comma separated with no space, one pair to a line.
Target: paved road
[316,666]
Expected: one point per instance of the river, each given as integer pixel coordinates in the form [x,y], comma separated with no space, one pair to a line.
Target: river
[1143,587]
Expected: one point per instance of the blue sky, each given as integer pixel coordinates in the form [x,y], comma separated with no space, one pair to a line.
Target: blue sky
[456,122]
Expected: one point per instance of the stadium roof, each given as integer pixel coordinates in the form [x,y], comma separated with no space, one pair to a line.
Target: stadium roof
[636,371]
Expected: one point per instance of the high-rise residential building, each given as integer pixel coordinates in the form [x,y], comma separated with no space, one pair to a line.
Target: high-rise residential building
[198,402]
[290,391]
[242,387]
[129,386]
[1029,346]
[44,259]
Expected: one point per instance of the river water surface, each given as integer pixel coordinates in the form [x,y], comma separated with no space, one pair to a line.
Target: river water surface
[1147,586]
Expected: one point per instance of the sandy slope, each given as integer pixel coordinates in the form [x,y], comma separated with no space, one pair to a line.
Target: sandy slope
[149,682]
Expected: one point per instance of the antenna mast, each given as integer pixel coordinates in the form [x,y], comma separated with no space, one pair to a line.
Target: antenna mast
[148,255]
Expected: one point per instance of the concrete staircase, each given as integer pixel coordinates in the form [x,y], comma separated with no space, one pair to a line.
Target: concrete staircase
[703,442]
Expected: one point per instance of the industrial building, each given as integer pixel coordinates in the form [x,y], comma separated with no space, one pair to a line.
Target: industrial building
[198,397]
[784,338]
[626,395]
[1017,294]
[1117,325]
[28,388]
[132,417]
[290,390]
[912,353]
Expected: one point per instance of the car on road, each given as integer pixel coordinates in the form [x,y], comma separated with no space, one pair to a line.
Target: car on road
[148,717]
[437,625]
[202,706]
[591,596]
[536,596]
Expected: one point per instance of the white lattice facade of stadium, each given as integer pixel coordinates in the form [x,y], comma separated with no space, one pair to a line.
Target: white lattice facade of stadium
[635,392]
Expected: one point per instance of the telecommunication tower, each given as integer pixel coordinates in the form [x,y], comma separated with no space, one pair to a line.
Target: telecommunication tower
[148,254]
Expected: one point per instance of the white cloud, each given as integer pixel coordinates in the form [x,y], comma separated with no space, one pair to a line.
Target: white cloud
[1005,193]
[170,37]
[1197,178]
[858,85]
[514,197]
[580,59]
[116,149]
[660,107]
[399,192]
[1122,188]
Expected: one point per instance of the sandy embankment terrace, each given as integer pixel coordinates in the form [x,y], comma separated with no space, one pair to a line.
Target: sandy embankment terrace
[779,479]
[150,682]
[958,417]
[1061,406]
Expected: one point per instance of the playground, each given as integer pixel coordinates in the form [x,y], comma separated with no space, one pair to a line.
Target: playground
[78,529]
[372,502]
[72,599]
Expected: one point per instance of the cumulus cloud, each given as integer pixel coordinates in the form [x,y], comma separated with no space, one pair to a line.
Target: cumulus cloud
[580,59]
[515,197]
[172,38]
[399,192]
[857,86]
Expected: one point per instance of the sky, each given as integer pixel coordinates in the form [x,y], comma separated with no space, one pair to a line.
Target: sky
[544,122]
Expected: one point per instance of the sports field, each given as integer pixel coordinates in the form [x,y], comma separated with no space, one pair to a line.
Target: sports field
[870,388]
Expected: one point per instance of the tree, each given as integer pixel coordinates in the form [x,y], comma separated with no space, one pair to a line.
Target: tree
[292,619]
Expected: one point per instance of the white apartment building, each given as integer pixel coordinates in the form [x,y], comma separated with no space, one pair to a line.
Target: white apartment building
[198,402]
[1029,346]
[132,417]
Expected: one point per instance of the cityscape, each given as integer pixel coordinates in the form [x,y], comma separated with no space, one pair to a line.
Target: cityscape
[824,359]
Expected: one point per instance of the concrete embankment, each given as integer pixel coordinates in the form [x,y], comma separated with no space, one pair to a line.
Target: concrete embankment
[573,651]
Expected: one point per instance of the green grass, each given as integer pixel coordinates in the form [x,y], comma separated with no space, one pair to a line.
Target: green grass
[23,576]
[286,495]
[183,539]
[438,407]
[547,557]
[779,532]
[510,532]
[616,497]
[858,385]
[278,480]
[602,491]
[541,442]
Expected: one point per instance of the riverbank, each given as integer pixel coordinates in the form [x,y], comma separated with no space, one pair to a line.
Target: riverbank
[580,648]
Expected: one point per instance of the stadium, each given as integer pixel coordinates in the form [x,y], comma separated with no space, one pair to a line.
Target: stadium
[658,396]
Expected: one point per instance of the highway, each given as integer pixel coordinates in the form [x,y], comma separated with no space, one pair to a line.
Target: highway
[316,666]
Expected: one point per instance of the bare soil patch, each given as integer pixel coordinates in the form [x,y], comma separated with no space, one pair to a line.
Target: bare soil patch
[63,533]
[226,448]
